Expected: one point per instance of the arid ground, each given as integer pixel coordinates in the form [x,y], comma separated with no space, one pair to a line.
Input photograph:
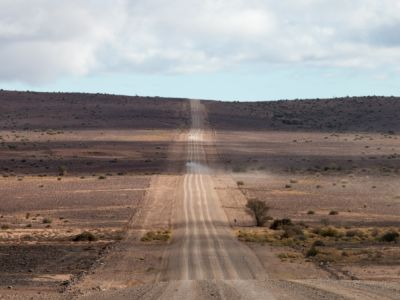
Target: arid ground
[115,197]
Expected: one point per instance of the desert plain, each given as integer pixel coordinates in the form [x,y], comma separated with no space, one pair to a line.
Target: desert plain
[117,197]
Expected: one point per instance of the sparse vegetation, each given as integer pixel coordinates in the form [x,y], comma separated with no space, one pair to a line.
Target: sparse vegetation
[253,236]
[355,233]
[299,180]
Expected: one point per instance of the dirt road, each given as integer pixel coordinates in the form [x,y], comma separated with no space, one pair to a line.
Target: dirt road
[204,246]
[206,261]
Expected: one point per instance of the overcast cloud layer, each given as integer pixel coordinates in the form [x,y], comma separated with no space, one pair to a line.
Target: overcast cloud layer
[43,40]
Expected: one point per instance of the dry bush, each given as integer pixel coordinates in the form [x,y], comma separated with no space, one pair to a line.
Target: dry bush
[47,221]
[312,252]
[259,210]
[85,236]
[293,231]
[281,223]
[390,236]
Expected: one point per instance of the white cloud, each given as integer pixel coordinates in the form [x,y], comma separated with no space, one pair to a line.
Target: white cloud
[42,40]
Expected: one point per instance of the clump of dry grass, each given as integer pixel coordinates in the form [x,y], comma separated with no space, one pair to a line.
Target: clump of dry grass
[159,235]
[253,236]
[327,232]
[284,256]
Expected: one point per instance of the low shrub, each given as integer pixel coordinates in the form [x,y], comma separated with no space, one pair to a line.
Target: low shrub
[5,227]
[85,236]
[280,223]
[47,221]
[312,252]
[293,231]
[318,243]
[62,170]
[390,236]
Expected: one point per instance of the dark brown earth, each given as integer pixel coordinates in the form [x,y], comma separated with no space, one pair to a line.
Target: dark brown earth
[351,114]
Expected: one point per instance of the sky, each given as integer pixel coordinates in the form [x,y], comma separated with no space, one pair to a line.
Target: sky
[205,49]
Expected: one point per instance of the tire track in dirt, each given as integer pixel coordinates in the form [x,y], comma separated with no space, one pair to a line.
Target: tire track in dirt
[209,250]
